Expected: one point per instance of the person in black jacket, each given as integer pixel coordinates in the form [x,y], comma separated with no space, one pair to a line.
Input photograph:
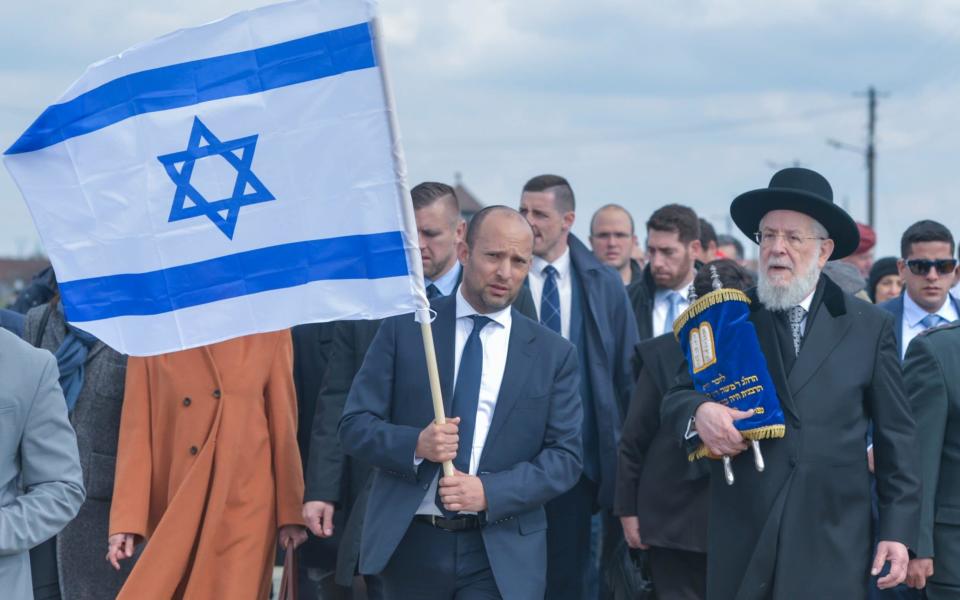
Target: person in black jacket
[661,497]
[673,245]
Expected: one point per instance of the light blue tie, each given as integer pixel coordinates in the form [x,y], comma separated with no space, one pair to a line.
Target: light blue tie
[931,321]
[673,311]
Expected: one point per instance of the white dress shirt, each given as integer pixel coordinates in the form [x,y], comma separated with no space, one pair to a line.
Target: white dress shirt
[564,287]
[661,308]
[495,339]
[911,324]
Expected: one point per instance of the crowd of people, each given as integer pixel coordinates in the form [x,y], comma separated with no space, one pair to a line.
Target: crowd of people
[562,469]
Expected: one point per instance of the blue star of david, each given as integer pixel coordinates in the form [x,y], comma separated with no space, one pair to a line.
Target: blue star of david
[239,153]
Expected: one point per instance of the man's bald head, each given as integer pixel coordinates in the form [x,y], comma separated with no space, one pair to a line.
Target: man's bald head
[496,257]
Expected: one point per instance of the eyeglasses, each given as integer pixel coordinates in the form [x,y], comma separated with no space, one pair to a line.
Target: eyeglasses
[793,239]
[922,266]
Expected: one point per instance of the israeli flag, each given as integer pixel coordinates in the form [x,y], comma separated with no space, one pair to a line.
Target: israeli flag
[239,177]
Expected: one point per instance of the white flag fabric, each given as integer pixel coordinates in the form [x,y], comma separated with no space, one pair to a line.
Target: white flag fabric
[239,177]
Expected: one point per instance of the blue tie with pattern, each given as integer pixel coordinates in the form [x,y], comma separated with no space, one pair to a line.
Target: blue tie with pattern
[550,300]
[433,292]
[466,398]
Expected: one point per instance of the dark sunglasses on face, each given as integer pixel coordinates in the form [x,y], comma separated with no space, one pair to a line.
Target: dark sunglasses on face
[922,266]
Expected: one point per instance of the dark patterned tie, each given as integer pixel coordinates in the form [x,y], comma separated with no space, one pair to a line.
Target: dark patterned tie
[795,315]
[433,292]
[550,300]
[466,397]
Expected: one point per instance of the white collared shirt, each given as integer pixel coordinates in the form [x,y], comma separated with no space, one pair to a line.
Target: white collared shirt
[911,325]
[495,339]
[661,308]
[447,282]
[564,287]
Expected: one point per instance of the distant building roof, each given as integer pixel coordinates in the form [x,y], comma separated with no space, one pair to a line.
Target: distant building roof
[24,269]
[469,205]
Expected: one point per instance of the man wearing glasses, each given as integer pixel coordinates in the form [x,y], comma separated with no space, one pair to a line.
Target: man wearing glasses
[928,269]
[801,528]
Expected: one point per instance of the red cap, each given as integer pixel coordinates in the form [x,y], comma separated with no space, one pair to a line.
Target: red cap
[868,239]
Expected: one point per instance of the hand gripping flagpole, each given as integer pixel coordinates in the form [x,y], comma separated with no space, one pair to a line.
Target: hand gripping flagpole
[434,375]
[423,314]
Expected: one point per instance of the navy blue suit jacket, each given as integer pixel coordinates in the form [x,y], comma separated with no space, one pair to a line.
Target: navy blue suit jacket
[895,307]
[532,452]
[609,336]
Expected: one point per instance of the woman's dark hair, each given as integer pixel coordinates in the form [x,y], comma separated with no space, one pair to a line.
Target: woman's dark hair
[880,269]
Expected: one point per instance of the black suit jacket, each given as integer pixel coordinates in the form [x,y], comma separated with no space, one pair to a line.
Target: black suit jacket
[930,373]
[804,523]
[655,481]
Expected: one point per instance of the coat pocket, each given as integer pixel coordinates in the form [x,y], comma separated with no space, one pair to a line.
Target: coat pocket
[532,521]
[948,514]
[100,479]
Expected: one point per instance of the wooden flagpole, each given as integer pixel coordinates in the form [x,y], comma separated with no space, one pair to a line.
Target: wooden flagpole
[435,392]
[423,315]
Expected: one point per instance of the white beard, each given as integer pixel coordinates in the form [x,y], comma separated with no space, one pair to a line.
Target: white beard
[781,297]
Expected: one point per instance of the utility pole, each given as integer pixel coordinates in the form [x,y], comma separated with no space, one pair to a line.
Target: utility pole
[869,153]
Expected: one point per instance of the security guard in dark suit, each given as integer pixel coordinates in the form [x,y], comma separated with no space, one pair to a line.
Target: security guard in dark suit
[930,368]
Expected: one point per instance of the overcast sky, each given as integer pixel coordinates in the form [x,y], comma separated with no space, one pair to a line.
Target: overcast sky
[637,102]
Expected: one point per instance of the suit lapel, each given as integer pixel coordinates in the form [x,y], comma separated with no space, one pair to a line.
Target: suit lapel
[898,323]
[444,335]
[822,335]
[515,375]
[580,259]
[770,346]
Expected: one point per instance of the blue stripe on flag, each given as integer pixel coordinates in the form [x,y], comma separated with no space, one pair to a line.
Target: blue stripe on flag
[371,256]
[175,86]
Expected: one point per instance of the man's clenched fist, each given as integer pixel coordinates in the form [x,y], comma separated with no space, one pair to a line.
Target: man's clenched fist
[438,443]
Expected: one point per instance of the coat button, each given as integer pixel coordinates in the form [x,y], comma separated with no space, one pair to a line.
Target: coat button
[194,450]
[186,401]
[216,394]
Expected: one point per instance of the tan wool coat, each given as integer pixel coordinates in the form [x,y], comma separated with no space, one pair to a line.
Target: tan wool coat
[208,468]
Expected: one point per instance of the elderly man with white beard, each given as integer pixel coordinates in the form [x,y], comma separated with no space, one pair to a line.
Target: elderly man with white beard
[801,528]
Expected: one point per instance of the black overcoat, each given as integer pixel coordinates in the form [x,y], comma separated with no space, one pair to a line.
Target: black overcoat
[801,529]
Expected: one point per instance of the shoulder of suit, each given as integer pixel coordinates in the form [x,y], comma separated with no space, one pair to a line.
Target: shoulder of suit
[940,329]
[19,356]
[545,334]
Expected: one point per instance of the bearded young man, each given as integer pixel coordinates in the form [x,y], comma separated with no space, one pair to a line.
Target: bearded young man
[673,245]
[801,528]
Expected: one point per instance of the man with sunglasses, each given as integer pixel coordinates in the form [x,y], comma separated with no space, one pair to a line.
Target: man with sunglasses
[928,269]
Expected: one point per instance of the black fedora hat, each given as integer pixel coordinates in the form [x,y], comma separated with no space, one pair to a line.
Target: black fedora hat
[800,190]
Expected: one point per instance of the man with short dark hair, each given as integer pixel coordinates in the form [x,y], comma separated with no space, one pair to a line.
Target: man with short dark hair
[731,248]
[613,241]
[513,433]
[928,269]
[673,245]
[585,302]
[708,241]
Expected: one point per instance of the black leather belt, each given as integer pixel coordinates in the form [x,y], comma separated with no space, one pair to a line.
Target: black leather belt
[464,523]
